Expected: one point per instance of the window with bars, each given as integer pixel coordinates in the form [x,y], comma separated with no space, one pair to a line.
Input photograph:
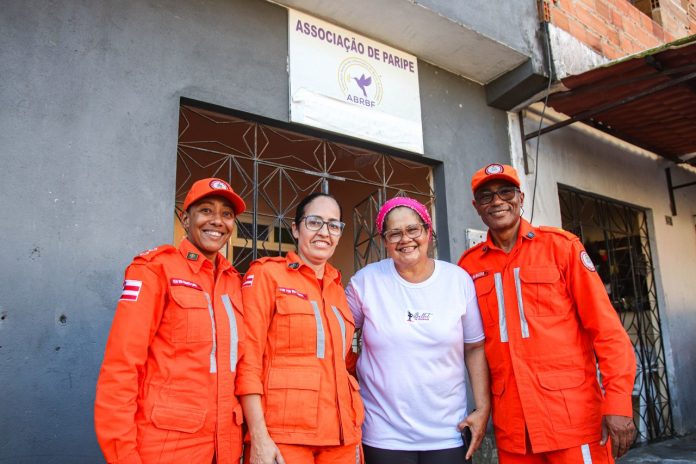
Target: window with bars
[616,237]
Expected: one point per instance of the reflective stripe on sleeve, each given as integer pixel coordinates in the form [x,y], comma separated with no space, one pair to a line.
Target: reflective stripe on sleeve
[213,361]
[518,289]
[320,330]
[342,323]
[234,336]
[502,323]
[586,456]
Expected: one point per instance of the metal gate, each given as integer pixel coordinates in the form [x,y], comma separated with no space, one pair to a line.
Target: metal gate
[273,168]
[616,238]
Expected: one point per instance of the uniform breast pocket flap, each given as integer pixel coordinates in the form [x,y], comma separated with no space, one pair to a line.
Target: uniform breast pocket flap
[541,289]
[298,325]
[540,275]
[192,321]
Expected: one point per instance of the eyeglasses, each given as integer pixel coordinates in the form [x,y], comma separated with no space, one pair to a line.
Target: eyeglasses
[505,194]
[315,223]
[412,231]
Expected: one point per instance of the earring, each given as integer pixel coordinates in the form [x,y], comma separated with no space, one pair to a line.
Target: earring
[521,211]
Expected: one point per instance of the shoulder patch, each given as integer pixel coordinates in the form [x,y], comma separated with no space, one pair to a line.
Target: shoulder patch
[558,231]
[587,261]
[149,255]
[131,290]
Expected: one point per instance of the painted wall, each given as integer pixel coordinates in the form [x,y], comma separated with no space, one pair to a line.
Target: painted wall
[588,160]
[88,137]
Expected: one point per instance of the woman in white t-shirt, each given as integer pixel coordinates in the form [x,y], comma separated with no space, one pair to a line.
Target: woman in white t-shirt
[421,332]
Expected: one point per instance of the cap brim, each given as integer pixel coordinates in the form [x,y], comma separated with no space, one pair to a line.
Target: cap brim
[492,177]
[238,204]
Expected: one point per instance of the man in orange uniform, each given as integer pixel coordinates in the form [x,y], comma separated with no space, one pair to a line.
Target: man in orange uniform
[301,404]
[547,320]
[165,393]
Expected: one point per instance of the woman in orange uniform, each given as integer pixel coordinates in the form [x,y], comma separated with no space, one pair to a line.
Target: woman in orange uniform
[300,403]
[165,393]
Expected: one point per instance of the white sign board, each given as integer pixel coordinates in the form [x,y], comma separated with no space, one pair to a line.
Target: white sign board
[346,83]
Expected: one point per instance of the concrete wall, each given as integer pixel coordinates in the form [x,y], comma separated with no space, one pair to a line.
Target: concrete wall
[88,136]
[589,160]
[513,22]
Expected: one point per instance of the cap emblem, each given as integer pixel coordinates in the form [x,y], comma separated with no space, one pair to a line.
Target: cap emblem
[494,169]
[219,185]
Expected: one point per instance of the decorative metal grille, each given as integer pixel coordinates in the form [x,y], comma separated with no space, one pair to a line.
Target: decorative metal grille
[272,169]
[616,238]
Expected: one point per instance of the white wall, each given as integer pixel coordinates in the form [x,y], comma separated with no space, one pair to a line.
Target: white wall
[589,160]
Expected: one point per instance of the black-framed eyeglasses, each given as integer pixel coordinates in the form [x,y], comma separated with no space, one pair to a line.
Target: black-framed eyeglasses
[315,223]
[411,231]
[505,194]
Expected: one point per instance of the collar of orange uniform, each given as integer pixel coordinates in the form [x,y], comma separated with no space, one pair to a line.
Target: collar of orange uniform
[295,263]
[526,231]
[196,260]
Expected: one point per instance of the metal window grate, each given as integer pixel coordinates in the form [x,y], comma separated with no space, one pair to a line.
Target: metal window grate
[272,169]
[616,238]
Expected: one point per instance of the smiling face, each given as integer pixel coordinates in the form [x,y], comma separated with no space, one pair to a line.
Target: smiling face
[209,223]
[407,252]
[315,247]
[500,215]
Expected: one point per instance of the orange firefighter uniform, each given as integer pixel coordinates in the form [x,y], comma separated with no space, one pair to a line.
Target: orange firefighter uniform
[166,388]
[299,332]
[548,320]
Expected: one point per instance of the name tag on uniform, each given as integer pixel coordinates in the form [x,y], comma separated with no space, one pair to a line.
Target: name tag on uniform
[185,283]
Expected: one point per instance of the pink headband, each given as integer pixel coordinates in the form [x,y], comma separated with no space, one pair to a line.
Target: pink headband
[396,202]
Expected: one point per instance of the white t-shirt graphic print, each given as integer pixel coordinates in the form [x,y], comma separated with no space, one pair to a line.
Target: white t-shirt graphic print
[411,369]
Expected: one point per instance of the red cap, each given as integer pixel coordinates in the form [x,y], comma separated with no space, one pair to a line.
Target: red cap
[214,186]
[493,172]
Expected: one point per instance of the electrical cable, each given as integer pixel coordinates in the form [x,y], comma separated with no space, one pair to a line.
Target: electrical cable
[550,68]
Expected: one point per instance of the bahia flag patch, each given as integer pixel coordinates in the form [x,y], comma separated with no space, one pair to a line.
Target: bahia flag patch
[249,281]
[131,290]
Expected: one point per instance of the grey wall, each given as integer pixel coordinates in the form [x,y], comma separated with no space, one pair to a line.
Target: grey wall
[465,134]
[512,22]
[88,133]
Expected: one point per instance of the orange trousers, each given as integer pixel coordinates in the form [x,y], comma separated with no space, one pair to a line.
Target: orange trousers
[302,454]
[592,453]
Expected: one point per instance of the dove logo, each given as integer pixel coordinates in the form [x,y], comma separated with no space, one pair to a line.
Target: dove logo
[360,82]
[363,82]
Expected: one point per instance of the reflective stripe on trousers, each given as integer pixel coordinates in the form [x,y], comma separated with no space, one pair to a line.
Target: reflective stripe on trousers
[321,338]
[586,456]
[234,336]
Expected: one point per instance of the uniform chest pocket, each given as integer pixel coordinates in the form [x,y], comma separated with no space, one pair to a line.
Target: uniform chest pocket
[543,291]
[299,327]
[190,316]
[487,299]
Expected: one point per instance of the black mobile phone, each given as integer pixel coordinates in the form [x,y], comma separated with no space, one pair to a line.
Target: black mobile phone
[466,438]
